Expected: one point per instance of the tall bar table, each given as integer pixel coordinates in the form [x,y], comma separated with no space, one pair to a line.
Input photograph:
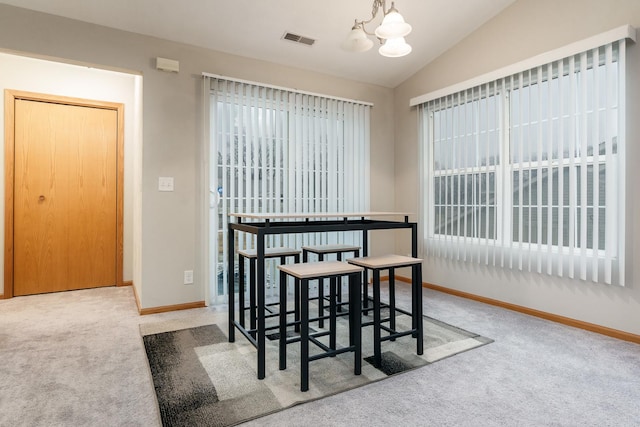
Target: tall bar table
[264,224]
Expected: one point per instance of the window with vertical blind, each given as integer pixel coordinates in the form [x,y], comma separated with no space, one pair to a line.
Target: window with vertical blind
[527,171]
[275,150]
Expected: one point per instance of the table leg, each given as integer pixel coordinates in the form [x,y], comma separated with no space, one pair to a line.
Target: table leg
[417,274]
[355,281]
[230,281]
[260,284]
[304,334]
[283,321]
[414,240]
[365,275]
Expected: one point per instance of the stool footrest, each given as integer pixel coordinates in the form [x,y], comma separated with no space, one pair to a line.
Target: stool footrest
[387,305]
[316,319]
[331,353]
[370,322]
[393,334]
[291,340]
[320,344]
[246,333]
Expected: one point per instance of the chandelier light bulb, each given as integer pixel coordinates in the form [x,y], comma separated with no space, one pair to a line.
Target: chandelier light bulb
[393,25]
[357,40]
[395,48]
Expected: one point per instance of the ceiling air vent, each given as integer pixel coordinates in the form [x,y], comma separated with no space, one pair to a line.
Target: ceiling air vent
[298,39]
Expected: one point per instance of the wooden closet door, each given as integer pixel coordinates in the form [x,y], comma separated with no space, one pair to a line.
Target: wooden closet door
[64,197]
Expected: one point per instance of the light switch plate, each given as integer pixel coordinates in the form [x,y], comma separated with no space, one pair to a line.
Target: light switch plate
[165,183]
[188,277]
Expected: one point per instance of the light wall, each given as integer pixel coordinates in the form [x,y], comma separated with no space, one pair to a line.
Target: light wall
[525,29]
[170,239]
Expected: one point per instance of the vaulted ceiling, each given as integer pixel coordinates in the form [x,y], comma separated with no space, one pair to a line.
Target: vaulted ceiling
[255,28]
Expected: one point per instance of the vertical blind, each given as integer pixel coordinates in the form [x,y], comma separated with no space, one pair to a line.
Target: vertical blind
[274,150]
[527,171]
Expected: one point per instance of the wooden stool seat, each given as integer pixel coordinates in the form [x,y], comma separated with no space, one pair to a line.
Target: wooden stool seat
[269,252]
[252,256]
[334,271]
[385,261]
[316,270]
[391,262]
[321,251]
[330,249]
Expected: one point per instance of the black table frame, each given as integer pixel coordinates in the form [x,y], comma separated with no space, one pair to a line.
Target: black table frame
[266,227]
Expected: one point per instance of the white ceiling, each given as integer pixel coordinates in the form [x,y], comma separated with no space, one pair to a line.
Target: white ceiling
[254,28]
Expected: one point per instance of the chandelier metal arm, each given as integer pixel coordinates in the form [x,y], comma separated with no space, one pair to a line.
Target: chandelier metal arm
[377,4]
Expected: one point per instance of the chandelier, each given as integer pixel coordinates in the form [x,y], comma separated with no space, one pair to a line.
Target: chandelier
[390,33]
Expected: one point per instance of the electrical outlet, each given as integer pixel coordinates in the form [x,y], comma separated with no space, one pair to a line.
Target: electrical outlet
[188,277]
[165,183]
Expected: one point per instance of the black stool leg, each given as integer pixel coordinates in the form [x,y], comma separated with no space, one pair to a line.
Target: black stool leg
[377,338]
[392,300]
[252,294]
[365,290]
[304,334]
[241,284]
[231,291]
[339,258]
[296,295]
[333,284]
[283,322]
[355,320]
[365,273]
[356,254]
[321,296]
[417,279]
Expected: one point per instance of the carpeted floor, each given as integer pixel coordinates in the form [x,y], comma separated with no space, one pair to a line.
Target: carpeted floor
[77,359]
[203,380]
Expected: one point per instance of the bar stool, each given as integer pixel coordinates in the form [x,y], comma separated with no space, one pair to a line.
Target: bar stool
[321,251]
[252,256]
[303,273]
[391,262]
